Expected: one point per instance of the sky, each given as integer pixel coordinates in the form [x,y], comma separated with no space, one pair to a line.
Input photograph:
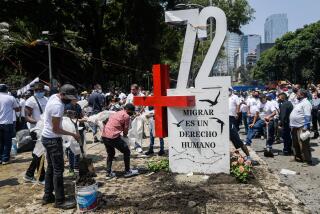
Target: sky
[299,12]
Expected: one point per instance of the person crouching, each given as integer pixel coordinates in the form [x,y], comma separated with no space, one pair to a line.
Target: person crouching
[117,123]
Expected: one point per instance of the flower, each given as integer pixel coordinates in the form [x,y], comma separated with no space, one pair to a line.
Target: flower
[234,163]
[241,169]
[248,163]
[241,160]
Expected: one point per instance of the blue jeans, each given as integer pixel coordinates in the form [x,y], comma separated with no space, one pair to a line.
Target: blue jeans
[245,121]
[54,173]
[73,160]
[152,142]
[270,135]
[258,126]
[6,135]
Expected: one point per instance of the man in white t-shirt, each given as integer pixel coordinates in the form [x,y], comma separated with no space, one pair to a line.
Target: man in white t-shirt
[52,141]
[234,108]
[264,115]
[244,112]
[300,119]
[8,104]
[34,107]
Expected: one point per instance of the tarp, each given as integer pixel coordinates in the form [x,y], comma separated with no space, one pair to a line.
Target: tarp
[247,87]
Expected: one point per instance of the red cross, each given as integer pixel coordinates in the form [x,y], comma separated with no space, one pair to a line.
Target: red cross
[161,101]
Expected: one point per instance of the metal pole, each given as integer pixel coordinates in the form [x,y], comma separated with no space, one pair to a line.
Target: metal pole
[211,24]
[50,67]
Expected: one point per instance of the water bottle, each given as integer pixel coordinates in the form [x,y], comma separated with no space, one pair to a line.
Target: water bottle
[14,148]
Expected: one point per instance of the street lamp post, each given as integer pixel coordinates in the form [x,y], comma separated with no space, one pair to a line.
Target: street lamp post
[49,56]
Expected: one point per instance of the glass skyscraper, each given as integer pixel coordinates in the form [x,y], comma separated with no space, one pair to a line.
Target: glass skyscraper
[249,46]
[275,27]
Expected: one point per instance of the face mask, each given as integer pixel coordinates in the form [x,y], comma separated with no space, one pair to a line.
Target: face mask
[290,90]
[130,113]
[99,91]
[39,94]
[65,101]
[295,90]
[256,96]
[299,98]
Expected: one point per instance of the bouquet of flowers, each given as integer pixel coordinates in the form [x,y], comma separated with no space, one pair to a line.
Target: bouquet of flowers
[240,167]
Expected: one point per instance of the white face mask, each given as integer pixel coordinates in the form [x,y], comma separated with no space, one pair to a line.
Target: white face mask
[99,91]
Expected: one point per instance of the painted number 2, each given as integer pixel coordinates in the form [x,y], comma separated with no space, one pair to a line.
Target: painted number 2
[196,25]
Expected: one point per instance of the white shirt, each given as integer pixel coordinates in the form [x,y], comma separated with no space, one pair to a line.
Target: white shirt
[234,101]
[302,109]
[122,96]
[130,100]
[22,104]
[36,113]
[253,104]
[293,99]
[243,105]
[7,104]
[266,109]
[276,107]
[54,108]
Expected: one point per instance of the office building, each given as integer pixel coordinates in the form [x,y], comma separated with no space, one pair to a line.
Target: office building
[249,45]
[275,27]
[262,48]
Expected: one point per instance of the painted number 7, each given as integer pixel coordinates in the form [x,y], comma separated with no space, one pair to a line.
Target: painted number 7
[196,25]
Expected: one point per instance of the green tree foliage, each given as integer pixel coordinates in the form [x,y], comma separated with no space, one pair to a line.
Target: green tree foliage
[295,57]
[113,42]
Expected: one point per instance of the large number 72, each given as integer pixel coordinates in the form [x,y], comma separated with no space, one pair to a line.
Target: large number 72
[196,25]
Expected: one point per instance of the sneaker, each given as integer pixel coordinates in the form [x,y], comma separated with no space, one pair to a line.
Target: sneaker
[139,150]
[5,162]
[262,137]
[150,152]
[161,153]
[65,205]
[42,182]
[48,200]
[268,153]
[131,173]
[29,179]
[110,175]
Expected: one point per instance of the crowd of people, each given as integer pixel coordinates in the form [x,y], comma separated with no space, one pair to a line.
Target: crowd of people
[38,104]
[288,114]
[285,115]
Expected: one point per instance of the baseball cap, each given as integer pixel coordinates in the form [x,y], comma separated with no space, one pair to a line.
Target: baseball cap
[69,92]
[3,88]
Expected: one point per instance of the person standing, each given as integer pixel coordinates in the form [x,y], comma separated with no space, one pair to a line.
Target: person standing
[150,116]
[314,112]
[34,108]
[268,113]
[118,123]
[234,107]
[52,141]
[300,119]
[96,102]
[244,112]
[8,104]
[286,108]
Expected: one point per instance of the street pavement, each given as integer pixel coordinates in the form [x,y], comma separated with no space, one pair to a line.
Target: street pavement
[306,183]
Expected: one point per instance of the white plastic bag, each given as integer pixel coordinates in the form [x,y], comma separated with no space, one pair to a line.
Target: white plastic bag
[305,135]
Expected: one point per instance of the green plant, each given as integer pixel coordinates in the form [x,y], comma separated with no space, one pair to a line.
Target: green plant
[160,165]
[240,168]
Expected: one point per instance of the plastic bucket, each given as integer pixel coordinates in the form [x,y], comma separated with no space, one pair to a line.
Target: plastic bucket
[87,197]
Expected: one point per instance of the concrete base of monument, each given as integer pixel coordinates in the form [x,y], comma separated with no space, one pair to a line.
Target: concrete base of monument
[157,193]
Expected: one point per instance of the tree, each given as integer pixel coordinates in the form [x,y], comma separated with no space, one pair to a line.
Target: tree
[295,56]
[113,44]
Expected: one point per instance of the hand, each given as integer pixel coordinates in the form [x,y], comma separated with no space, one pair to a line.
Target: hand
[251,125]
[77,137]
